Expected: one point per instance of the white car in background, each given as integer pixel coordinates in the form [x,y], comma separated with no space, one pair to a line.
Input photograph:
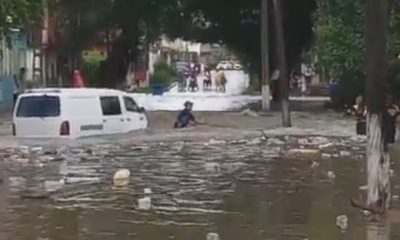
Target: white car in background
[225,65]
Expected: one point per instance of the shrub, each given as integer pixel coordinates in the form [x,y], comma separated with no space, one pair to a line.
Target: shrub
[163,74]
[90,72]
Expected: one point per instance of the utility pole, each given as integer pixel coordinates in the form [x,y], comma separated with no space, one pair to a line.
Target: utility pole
[378,159]
[284,74]
[265,74]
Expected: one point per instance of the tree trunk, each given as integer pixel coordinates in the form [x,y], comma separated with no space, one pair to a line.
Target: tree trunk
[284,74]
[266,105]
[378,160]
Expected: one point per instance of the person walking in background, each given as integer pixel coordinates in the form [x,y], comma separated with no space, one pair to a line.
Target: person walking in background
[193,86]
[361,114]
[220,81]
[389,120]
[19,83]
[207,82]
[183,72]
[77,80]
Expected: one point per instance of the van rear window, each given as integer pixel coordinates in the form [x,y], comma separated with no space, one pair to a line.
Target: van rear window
[39,106]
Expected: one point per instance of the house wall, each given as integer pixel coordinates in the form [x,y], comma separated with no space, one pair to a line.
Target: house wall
[6,93]
[14,55]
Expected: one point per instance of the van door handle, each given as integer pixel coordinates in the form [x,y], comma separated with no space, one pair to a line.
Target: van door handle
[122,120]
[104,121]
[128,119]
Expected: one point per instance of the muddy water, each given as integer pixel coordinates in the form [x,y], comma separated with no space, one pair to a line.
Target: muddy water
[241,190]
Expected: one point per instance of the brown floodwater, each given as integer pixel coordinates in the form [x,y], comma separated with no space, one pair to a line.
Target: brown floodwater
[241,190]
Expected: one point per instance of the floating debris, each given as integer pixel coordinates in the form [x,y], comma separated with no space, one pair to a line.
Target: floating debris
[342,222]
[315,165]
[326,155]
[363,188]
[331,175]
[216,142]
[345,153]
[52,186]
[275,141]
[144,203]
[148,191]
[255,141]
[305,151]
[249,112]
[212,236]
[121,178]
[212,167]
[36,150]
[326,145]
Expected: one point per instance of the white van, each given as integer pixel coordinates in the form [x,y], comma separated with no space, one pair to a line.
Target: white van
[76,112]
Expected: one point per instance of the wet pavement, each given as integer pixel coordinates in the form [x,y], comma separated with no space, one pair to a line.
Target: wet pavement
[235,188]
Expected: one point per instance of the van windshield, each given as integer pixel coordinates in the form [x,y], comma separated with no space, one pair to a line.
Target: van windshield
[39,106]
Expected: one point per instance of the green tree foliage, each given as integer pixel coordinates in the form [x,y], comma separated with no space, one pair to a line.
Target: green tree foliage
[341,46]
[17,13]
[163,74]
[236,23]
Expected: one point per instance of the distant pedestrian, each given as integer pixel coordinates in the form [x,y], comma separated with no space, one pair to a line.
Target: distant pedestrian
[193,86]
[77,80]
[389,120]
[19,83]
[360,112]
[220,81]
[207,82]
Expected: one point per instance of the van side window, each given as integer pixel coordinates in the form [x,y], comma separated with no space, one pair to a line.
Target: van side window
[110,106]
[131,105]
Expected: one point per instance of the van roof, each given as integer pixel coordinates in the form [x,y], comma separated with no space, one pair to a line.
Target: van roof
[73,91]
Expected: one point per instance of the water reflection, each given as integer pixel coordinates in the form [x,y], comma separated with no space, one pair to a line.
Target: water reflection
[240,190]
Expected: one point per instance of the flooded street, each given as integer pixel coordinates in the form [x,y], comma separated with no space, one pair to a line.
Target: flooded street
[253,188]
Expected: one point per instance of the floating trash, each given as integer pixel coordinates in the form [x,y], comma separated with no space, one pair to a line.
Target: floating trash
[52,186]
[216,142]
[326,145]
[212,167]
[305,151]
[144,203]
[315,165]
[121,178]
[345,153]
[212,236]
[342,222]
[363,188]
[331,175]
[275,141]
[326,155]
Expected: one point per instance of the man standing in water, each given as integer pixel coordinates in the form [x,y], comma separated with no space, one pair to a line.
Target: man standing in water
[185,118]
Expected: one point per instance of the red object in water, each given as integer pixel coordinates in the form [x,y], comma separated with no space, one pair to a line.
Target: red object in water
[77,80]
[65,129]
